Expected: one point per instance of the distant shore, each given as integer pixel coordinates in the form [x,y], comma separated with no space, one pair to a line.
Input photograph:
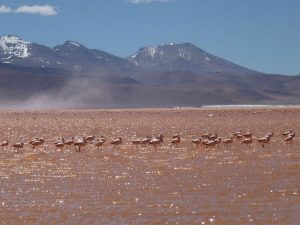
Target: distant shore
[152,108]
[250,106]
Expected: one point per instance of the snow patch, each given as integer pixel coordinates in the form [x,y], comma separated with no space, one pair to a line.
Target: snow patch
[74,43]
[207,58]
[169,44]
[183,53]
[14,46]
[151,51]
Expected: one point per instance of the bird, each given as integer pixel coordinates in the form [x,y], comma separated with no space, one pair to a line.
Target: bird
[239,136]
[18,146]
[197,142]
[213,136]
[289,139]
[137,141]
[146,140]
[247,141]
[69,142]
[117,141]
[203,142]
[156,141]
[248,134]
[228,141]
[210,143]
[36,142]
[59,145]
[4,143]
[79,143]
[218,140]
[265,140]
[102,138]
[176,141]
[100,142]
[32,140]
[90,138]
[238,132]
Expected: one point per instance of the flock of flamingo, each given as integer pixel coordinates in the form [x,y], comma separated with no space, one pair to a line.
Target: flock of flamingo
[206,140]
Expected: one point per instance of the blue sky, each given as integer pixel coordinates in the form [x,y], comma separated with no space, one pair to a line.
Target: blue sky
[259,34]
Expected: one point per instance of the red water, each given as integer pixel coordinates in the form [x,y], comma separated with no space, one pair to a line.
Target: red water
[127,185]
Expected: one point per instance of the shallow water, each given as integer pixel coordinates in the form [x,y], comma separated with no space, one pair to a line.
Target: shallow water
[142,185]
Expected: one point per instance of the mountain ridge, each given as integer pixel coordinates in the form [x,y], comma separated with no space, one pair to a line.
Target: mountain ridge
[171,57]
[164,75]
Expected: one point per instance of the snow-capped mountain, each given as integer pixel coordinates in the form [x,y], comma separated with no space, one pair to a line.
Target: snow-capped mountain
[68,56]
[182,57]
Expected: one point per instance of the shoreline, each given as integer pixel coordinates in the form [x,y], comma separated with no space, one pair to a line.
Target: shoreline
[204,107]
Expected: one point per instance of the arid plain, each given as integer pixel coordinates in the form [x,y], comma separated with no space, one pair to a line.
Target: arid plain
[127,184]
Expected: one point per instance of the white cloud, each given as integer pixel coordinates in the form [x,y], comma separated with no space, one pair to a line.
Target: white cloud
[5,9]
[147,1]
[42,10]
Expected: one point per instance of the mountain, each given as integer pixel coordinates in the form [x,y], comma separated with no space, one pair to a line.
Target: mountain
[70,56]
[74,56]
[183,57]
[72,75]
